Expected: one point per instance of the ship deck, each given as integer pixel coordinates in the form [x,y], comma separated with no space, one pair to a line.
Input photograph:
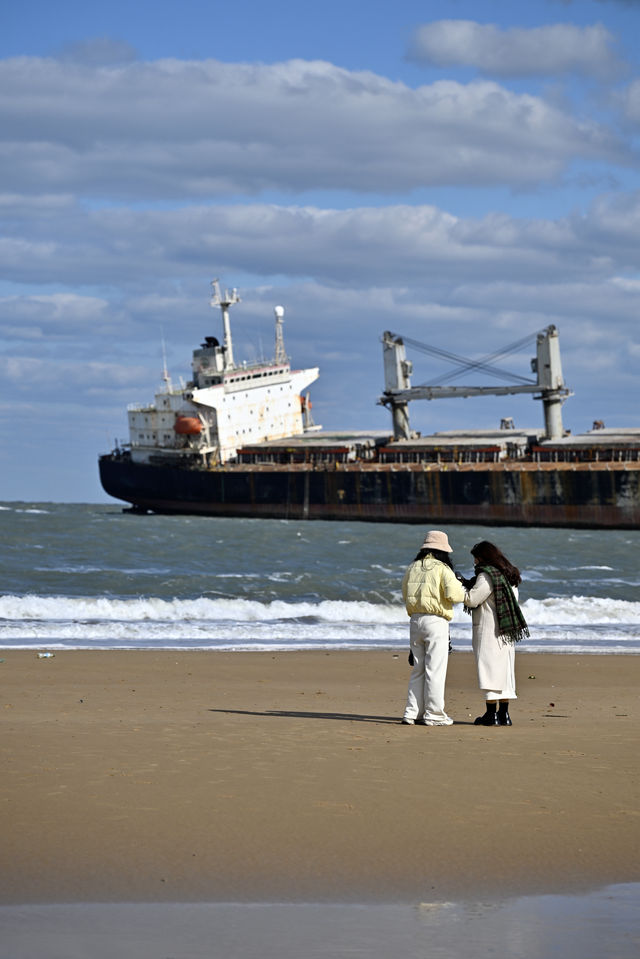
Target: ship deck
[505,466]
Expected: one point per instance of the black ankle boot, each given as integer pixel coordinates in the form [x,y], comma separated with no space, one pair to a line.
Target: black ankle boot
[504,719]
[490,718]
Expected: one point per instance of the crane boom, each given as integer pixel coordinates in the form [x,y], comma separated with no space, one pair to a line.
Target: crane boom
[549,385]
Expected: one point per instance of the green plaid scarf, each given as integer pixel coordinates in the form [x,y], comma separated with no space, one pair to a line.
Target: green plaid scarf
[512,626]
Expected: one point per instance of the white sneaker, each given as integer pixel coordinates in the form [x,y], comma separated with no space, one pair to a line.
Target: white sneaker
[445,721]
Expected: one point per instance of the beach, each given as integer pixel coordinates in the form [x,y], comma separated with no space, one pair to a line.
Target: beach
[193,776]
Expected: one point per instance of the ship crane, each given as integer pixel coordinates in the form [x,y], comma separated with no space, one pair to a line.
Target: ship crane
[549,383]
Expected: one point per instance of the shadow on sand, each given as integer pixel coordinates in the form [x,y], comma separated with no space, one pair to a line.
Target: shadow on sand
[308,714]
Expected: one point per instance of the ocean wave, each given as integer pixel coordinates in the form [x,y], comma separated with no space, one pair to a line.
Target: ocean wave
[580,611]
[573,611]
[97,609]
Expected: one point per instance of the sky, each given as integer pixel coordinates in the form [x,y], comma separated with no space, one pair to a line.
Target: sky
[461,173]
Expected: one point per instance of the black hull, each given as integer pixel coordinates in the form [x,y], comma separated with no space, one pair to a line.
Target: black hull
[589,496]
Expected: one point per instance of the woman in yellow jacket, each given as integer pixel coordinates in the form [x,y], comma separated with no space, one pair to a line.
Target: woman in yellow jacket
[429,589]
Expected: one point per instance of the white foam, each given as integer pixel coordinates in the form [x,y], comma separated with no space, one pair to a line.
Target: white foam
[556,611]
[94,609]
[579,623]
[580,611]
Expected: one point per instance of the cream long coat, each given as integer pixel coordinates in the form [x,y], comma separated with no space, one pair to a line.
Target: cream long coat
[495,658]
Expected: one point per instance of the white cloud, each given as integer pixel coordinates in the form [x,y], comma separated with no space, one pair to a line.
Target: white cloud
[558,48]
[146,252]
[68,379]
[629,101]
[418,270]
[170,130]
[68,312]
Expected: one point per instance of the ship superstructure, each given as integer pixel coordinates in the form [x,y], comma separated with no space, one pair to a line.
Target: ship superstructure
[225,406]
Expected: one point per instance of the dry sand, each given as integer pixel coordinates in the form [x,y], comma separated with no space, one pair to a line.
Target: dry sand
[194,776]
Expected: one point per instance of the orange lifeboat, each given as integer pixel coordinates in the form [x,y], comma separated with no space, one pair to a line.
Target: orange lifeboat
[187,425]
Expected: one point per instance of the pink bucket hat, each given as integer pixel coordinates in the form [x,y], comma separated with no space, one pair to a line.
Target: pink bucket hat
[436,539]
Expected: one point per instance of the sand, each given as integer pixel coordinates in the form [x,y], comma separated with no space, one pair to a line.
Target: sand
[138,776]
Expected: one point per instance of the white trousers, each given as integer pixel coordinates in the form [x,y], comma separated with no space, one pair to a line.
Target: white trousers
[429,642]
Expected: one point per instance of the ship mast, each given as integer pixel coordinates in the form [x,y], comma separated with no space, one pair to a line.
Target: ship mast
[224,301]
[166,379]
[281,353]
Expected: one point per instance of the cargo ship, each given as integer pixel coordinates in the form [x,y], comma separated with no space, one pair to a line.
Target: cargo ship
[238,439]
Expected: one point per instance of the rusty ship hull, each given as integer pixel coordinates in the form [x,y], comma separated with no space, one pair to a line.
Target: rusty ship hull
[573,495]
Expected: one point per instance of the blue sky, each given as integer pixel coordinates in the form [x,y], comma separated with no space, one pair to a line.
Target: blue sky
[460,173]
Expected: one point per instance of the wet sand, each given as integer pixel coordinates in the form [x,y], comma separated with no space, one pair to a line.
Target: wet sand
[597,925]
[286,777]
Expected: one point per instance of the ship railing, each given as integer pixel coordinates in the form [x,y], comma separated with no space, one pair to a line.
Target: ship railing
[442,454]
[141,408]
[586,454]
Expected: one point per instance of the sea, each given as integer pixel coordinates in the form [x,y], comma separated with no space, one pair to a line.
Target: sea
[93,576]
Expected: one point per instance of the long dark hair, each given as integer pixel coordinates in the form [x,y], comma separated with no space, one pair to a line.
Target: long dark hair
[488,554]
[437,554]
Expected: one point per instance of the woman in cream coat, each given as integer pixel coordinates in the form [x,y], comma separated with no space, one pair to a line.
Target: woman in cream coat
[498,624]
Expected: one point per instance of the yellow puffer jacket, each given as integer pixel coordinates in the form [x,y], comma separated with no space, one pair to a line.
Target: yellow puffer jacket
[429,586]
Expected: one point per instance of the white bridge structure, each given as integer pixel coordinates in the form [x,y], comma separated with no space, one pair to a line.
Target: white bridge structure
[226,405]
